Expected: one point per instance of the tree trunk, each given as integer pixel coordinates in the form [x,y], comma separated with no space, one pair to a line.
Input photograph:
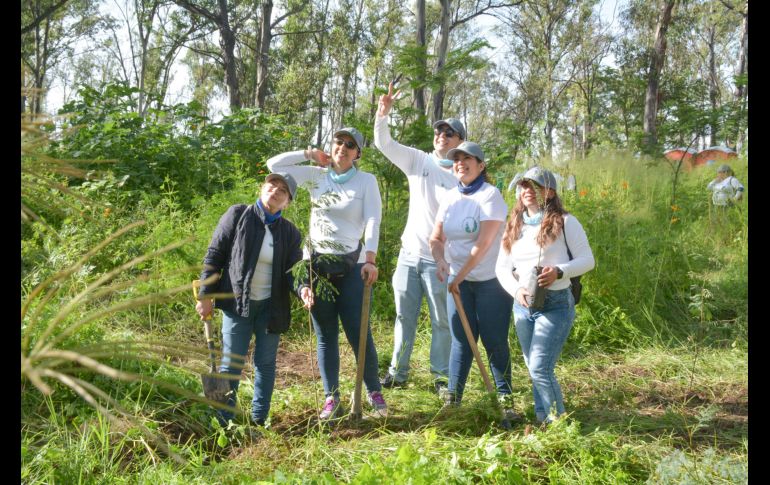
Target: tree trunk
[419,91]
[713,86]
[265,37]
[741,91]
[443,47]
[657,57]
[227,42]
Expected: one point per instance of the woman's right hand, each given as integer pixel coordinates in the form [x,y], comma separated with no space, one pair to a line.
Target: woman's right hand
[307,297]
[442,270]
[521,297]
[204,307]
[319,156]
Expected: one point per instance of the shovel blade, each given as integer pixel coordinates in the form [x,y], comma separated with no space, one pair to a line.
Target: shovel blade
[216,388]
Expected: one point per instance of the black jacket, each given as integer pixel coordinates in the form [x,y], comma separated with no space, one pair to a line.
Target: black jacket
[233,254]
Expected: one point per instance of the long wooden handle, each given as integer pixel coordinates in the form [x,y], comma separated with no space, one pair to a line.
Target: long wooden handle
[206,329]
[472,341]
[364,330]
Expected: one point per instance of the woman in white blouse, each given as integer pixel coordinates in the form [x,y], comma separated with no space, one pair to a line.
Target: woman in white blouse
[535,238]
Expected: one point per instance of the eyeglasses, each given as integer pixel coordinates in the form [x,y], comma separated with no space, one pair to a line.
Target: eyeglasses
[447,131]
[349,144]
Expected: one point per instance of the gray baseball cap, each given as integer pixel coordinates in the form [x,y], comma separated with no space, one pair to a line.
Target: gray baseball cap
[467,147]
[285,178]
[724,168]
[453,123]
[541,177]
[353,133]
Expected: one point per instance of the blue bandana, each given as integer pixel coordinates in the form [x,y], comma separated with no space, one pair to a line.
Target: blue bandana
[341,178]
[532,220]
[472,187]
[444,162]
[267,217]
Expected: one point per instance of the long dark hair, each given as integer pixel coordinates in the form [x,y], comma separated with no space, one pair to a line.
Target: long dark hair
[552,225]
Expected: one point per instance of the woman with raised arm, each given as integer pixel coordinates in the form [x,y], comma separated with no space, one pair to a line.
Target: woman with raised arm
[346,208]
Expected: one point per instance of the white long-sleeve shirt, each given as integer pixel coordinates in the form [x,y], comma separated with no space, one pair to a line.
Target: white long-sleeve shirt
[428,183]
[725,191]
[524,256]
[341,213]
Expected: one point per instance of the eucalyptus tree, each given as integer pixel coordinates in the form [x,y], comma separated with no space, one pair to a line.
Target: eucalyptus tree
[541,34]
[657,58]
[146,39]
[50,30]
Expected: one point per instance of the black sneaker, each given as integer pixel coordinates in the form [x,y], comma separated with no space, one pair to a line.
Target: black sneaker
[389,382]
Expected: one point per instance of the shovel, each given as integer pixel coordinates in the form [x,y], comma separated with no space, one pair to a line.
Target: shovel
[356,413]
[472,342]
[216,386]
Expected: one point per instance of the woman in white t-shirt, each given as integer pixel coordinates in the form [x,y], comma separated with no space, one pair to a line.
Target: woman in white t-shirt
[540,233]
[727,189]
[466,235]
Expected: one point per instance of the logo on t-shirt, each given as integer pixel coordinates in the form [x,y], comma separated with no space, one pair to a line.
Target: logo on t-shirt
[470,225]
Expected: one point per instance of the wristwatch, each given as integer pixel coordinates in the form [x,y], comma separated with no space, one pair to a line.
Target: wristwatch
[559,273]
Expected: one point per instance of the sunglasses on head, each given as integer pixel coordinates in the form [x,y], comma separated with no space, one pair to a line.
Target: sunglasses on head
[447,131]
[348,144]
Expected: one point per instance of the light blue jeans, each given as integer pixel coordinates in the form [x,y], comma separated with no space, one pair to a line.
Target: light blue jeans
[236,335]
[542,336]
[345,308]
[414,278]
[488,308]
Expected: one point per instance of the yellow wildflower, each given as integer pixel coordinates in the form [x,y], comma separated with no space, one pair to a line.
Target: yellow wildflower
[674,207]
[624,185]
[674,220]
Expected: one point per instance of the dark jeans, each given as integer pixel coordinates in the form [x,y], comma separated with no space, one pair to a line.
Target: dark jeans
[488,308]
[346,308]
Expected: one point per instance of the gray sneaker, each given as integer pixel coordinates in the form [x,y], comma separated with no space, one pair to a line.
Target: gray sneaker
[442,389]
[507,408]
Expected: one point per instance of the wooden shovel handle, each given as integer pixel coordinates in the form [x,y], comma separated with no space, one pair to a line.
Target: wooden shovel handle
[363,331]
[472,341]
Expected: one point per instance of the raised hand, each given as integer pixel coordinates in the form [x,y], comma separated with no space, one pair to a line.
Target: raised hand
[386,101]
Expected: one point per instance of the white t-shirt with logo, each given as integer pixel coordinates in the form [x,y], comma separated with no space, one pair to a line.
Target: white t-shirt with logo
[461,216]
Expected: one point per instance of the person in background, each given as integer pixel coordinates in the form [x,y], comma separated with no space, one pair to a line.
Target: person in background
[430,177]
[464,242]
[346,206]
[537,234]
[250,255]
[725,187]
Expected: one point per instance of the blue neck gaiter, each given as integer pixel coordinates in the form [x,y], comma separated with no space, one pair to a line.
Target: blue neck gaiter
[473,186]
[341,178]
[532,220]
[267,217]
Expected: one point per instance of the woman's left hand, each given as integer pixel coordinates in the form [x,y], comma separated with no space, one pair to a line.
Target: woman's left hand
[547,276]
[369,273]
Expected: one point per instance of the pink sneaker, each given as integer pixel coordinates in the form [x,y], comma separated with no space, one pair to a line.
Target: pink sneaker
[331,406]
[378,403]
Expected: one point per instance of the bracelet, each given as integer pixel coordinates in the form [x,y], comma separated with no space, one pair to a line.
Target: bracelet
[369,262]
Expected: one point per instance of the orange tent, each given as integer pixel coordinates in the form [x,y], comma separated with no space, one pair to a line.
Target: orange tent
[710,155]
[686,155]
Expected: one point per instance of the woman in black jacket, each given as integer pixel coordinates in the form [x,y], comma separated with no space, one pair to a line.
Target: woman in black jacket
[249,258]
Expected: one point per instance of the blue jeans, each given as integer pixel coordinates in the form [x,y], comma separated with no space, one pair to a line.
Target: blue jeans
[488,308]
[542,336]
[414,278]
[236,335]
[326,315]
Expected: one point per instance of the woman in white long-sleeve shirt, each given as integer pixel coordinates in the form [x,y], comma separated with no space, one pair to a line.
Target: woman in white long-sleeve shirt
[537,234]
[346,207]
